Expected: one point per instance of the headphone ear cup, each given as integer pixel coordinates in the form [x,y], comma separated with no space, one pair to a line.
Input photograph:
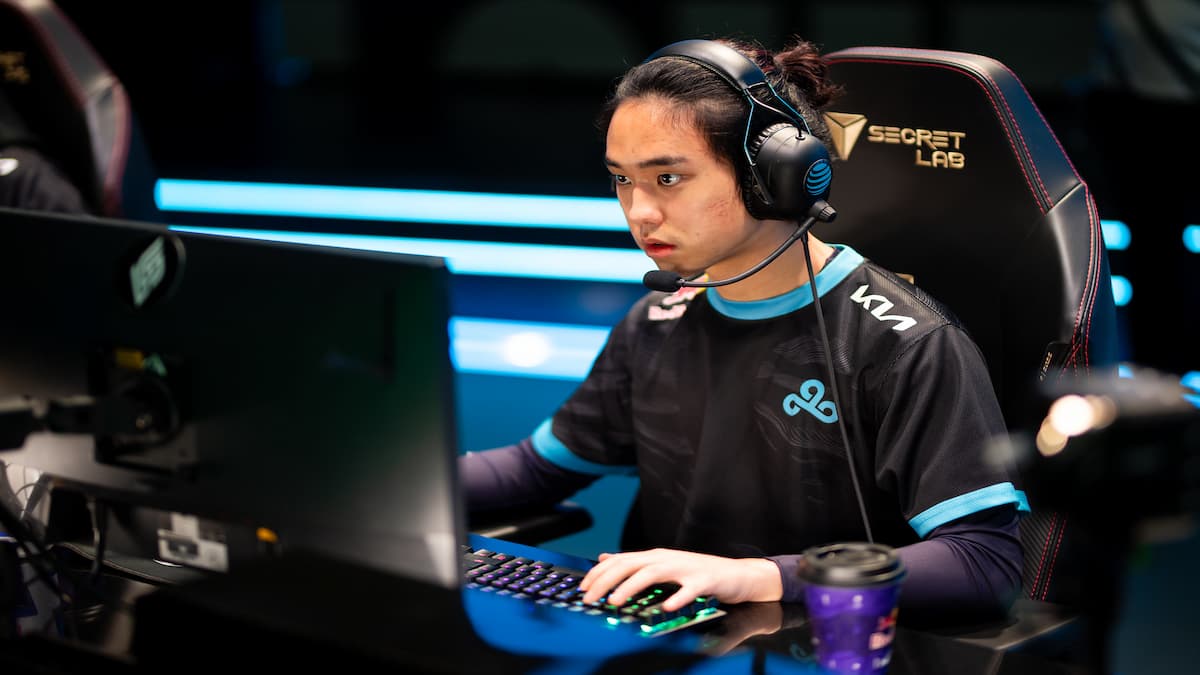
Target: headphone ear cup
[795,171]
[759,198]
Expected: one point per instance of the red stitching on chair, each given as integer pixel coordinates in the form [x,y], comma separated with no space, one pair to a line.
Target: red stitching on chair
[1054,558]
[1021,137]
[1045,547]
[1043,118]
[1097,250]
[1087,300]
[120,152]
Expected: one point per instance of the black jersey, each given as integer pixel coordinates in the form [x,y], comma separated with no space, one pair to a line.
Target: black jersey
[725,412]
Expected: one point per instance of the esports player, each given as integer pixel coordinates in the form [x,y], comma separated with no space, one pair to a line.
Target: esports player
[720,399]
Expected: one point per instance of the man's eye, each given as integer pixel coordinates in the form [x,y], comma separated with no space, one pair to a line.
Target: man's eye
[620,180]
[668,178]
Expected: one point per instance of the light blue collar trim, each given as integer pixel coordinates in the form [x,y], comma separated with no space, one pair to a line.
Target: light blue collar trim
[845,262]
[965,504]
[553,450]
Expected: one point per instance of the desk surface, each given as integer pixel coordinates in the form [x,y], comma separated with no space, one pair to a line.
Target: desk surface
[298,609]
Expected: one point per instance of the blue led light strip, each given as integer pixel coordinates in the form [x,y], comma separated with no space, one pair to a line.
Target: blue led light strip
[584,263]
[1191,380]
[358,203]
[1191,238]
[531,349]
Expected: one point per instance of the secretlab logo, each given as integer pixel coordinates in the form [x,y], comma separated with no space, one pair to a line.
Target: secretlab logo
[933,148]
[882,306]
[845,128]
[811,399]
[13,68]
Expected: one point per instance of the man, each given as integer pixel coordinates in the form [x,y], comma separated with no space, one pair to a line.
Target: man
[747,448]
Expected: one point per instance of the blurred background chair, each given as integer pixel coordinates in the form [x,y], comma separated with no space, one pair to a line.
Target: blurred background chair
[949,173]
[74,110]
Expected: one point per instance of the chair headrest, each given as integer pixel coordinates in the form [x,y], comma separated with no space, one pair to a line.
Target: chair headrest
[77,110]
[948,171]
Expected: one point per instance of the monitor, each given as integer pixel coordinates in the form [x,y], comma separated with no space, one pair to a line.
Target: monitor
[301,393]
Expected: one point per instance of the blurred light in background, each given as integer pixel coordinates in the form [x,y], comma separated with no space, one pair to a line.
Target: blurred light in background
[1122,290]
[493,347]
[583,263]
[1116,234]
[359,203]
[1191,380]
[1191,238]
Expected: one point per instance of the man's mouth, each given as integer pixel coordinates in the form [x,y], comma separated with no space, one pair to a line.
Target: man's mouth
[656,249]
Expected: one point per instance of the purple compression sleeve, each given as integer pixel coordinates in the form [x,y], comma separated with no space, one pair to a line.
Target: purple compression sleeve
[969,566]
[515,476]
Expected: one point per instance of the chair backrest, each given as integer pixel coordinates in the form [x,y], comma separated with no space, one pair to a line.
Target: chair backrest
[79,110]
[948,172]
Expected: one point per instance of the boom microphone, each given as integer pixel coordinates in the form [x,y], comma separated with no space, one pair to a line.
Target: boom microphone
[668,281]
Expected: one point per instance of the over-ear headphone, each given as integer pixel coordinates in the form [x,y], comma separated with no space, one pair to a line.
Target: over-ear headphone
[788,167]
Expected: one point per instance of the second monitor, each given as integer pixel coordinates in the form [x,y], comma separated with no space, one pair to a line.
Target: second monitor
[306,391]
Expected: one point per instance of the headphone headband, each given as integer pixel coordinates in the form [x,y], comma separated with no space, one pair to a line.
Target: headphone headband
[733,66]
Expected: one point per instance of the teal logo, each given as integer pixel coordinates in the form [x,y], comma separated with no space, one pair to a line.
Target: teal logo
[811,399]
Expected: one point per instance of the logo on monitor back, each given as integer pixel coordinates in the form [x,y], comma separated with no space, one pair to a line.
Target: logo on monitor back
[147,272]
[150,270]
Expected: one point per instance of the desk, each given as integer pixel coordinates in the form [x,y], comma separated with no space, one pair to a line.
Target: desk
[299,610]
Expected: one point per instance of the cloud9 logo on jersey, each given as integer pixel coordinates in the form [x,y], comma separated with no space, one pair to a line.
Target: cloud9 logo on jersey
[810,399]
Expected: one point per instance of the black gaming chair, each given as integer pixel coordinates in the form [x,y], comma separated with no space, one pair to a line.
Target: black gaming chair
[948,172]
[78,109]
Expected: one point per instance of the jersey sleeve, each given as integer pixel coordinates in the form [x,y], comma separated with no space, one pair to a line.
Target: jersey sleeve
[592,432]
[938,413]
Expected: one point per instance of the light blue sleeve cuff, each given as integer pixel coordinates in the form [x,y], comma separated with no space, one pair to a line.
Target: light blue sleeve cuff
[552,449]
[965,504]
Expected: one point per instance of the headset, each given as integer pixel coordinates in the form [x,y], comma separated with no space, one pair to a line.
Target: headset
[788,166]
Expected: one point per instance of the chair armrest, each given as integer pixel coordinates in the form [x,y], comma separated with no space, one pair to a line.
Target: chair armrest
[531,525]
[1033,626]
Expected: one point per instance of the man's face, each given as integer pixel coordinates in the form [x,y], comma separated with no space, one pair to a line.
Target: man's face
[680,200]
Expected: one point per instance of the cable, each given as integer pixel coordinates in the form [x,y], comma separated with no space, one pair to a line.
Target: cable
[37,560]
[99,514]
[812,283]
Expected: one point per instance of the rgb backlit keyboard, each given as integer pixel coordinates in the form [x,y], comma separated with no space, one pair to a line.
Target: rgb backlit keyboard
[556,586]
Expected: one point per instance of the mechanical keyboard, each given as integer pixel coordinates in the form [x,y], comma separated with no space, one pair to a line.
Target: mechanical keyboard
[554,585]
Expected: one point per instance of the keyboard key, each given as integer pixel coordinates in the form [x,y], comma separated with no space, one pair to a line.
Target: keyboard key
[546,584]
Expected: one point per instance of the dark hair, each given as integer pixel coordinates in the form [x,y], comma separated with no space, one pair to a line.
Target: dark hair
[798,73]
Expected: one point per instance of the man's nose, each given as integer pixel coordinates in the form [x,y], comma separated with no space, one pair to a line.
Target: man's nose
[644,208]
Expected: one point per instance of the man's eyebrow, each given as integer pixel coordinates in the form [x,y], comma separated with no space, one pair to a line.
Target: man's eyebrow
[668,160]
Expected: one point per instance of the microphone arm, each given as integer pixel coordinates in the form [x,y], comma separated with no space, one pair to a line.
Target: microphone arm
[663,280]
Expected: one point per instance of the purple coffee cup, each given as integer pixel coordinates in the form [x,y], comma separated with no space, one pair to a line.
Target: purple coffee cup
[851,590]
